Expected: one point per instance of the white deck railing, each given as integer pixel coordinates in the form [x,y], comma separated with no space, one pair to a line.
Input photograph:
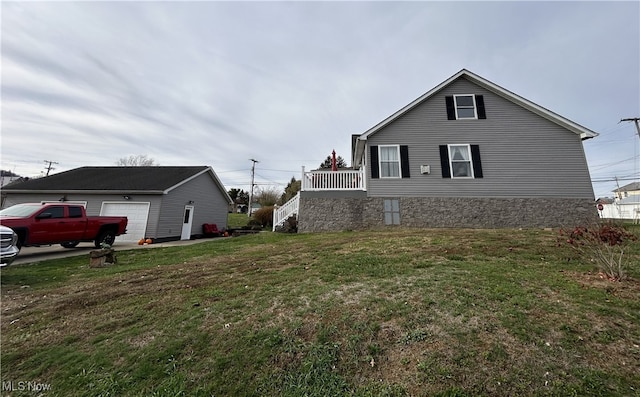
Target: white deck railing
[333,180]
[289,208]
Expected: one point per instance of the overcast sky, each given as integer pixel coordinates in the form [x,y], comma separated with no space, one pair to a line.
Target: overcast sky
[285,83]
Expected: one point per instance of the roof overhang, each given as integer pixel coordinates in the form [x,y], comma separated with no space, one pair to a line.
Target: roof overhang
[213,175]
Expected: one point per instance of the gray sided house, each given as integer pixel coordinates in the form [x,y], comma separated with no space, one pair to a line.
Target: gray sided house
[161,203]
[468,153]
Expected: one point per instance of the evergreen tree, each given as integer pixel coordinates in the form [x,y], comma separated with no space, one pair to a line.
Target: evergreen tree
[239,196]
[290,191]
[326,164]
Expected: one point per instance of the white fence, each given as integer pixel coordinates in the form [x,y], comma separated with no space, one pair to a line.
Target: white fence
[333,180]
[621,211]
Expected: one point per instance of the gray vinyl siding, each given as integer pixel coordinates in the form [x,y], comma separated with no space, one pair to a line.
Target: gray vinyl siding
[210,206]
[522,154]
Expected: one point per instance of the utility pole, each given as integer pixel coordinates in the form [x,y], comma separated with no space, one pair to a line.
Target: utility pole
[635,120]
[253,174]
[49,166]
[618,193]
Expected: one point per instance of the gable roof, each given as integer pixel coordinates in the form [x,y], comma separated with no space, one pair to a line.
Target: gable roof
[147,180]
[628,187]
[576,128]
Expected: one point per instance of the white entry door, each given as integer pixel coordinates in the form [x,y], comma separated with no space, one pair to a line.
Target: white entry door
[187,220]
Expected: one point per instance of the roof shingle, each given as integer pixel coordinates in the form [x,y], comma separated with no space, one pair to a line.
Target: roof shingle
[154,178]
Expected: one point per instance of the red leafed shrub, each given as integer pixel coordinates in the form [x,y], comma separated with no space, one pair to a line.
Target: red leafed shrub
[603,243]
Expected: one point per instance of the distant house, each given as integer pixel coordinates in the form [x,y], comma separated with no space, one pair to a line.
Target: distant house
[162,203]
[7,177]
[626,204]
[255,207]
[467,153]
[631,189]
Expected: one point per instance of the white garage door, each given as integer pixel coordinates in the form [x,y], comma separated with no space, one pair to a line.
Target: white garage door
[137,215]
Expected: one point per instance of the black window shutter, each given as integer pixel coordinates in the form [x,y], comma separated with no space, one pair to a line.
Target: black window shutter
[375,170]
[451,109]
[477,164]
[480,107]
[404,160]
[444,161]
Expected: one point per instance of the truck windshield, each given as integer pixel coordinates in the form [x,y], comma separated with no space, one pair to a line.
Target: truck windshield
[20,210]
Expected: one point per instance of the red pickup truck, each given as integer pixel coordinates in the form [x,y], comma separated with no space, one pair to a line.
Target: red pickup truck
[60,223]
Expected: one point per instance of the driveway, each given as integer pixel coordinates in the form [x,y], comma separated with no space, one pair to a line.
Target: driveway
[38,254]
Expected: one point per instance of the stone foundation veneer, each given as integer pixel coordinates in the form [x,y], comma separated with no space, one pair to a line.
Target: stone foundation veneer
[319,214]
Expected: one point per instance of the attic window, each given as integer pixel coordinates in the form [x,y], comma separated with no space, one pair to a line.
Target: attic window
[465,107]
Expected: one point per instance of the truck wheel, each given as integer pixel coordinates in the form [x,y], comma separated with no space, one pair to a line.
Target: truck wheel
[70,244]
[105,236]
[21,238]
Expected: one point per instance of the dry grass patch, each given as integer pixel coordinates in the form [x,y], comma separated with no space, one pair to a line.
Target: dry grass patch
[400,312]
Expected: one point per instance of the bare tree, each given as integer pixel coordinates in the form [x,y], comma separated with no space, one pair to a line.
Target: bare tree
[140,160]
[267,196]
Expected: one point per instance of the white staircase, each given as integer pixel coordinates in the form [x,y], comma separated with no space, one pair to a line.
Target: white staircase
[281,214]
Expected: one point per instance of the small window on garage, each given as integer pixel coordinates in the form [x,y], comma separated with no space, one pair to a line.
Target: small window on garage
[391,212]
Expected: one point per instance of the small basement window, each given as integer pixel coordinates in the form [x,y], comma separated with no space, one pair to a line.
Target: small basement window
[391,212]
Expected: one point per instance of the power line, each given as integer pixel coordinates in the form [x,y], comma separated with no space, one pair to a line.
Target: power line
[613,179]
[266,169]
[605,165]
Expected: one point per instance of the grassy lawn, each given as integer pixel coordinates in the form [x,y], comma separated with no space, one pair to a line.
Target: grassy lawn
[394,313]
[235,221]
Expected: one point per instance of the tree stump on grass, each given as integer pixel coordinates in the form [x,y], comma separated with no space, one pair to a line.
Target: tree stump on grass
[102,258]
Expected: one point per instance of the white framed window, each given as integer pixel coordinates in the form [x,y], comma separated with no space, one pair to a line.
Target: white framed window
[465,106]
[460,161]
[391,212]
[389,159]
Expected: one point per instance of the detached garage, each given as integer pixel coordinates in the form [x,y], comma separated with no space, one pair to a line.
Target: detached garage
[162,203]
